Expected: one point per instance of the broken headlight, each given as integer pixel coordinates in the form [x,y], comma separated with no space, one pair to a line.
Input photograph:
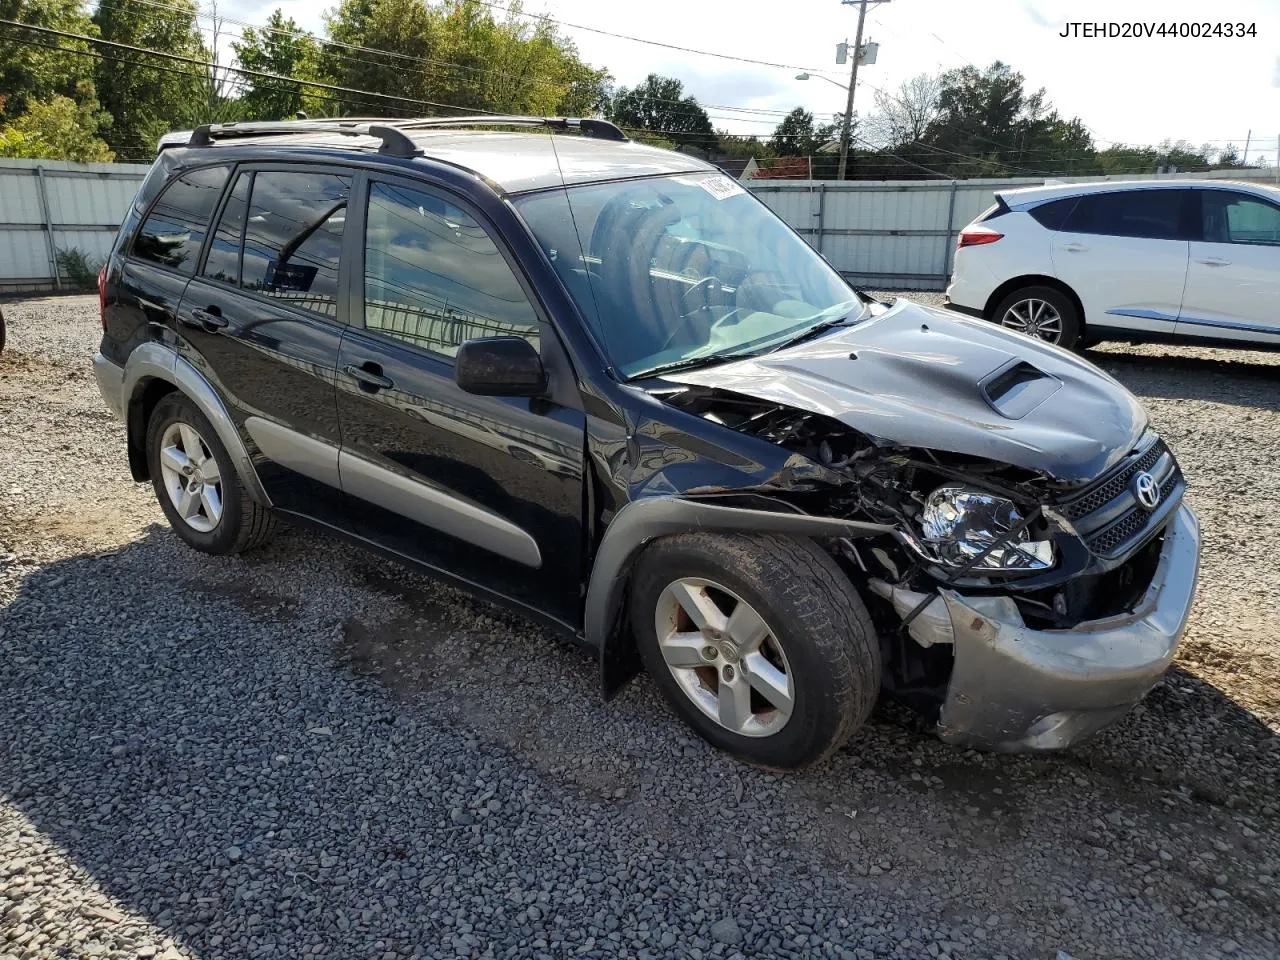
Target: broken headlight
[959,523]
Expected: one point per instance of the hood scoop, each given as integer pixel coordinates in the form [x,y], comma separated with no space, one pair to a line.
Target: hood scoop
[1017,388]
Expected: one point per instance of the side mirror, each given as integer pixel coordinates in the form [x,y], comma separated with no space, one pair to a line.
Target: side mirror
[500,367]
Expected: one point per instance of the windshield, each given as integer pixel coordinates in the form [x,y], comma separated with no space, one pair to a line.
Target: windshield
[669,270]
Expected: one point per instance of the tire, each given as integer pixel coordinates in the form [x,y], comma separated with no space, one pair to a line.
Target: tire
[1054,305]
[232,523]
[818,639]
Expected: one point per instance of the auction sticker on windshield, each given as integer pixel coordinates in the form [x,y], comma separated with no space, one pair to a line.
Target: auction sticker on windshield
[720,186]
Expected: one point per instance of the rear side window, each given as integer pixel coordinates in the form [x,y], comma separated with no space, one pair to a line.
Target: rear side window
[1054,214]
[293,238]
[174,230]
[1230,217]
[223,261]
[434,278]
[1149,214]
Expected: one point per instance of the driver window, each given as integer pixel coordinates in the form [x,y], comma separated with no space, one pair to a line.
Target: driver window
[1236,218]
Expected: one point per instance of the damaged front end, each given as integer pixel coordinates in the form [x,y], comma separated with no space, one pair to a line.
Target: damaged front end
[1018,609]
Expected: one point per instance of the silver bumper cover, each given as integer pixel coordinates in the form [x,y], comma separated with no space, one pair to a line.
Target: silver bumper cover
[110,379]
[1013,688]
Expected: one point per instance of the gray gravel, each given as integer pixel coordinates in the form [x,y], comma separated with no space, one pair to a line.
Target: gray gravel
[309,751]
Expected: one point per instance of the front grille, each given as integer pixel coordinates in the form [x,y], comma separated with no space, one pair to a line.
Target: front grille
[1131,523]
[1107,515]
[1114,486]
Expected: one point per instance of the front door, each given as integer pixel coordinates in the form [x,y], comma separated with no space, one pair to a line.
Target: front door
[1233,282]
[263,321]
[1125,254]
[488,489]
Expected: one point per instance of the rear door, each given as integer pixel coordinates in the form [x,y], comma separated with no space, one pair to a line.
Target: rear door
[489,489]
[1233,281]
[1124,253]
[160,260]
[263,320]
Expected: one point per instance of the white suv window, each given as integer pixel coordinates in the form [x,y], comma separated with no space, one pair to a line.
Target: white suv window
[1149,214]
[1231,217]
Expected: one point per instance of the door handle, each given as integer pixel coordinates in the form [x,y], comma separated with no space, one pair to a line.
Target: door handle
[369,376]
[1074,247]
[210,320]
[1214,262]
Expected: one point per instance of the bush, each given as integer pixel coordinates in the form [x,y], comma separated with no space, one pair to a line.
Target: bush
[77,269]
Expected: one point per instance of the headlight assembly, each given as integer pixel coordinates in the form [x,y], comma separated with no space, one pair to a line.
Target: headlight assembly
[959,523]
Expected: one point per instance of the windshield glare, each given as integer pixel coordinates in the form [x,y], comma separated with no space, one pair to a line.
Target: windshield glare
[670,269]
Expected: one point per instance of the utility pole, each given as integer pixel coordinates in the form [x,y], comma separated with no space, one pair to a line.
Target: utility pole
[846,134]
[1247,137]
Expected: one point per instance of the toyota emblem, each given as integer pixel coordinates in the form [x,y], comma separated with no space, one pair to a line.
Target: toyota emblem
[1146,491]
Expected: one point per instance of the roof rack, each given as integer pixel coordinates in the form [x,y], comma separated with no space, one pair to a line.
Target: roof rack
[391,131]
[598,129]
[394,142]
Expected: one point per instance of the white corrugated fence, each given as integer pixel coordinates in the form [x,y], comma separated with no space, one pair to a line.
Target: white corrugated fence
[895,234]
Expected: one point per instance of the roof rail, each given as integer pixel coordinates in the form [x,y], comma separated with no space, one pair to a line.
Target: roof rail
[599,129]
[390,131]
[394,142]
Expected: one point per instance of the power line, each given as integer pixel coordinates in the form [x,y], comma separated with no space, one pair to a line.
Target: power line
[240,70]
[653,43]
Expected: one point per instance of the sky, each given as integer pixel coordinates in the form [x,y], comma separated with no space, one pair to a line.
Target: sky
[1135,91]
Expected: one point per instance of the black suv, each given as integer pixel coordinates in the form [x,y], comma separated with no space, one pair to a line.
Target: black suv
[600,383]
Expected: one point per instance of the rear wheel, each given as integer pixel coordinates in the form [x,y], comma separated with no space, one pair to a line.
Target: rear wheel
[196,482]
[761,644]
[1045,313]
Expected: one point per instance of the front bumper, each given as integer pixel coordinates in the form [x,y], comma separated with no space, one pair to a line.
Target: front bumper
[1015,689]
[110,377]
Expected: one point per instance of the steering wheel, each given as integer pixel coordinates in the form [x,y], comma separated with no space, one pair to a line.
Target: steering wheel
[686,315]
[704,282]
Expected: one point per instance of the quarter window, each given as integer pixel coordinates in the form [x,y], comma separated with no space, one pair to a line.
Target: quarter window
[1236,218]
[293,238]
[434,277]
[175,228]
[1054,214]
[1148,214]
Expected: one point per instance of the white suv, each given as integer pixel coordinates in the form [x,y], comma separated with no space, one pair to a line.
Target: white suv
[1171,261]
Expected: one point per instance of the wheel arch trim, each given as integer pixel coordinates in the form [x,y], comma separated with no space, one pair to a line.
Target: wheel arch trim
[642,521]
[155,361]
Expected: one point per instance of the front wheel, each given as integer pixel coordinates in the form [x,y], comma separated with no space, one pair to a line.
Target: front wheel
[760,643]
[1045,313]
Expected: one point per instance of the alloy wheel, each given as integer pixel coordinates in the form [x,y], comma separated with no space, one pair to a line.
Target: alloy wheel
[1036,318]
[191,477]
[724,657]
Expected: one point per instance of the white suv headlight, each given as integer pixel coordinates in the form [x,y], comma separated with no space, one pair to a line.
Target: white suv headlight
[959,523]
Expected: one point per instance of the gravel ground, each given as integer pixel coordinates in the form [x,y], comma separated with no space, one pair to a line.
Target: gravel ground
[309,751]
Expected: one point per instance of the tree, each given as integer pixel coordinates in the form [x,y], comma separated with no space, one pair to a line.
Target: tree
[59,129]
[987,125]
[659,105]
[152,96]
[903,116]
[31,73]
[276,47]
[796,135]
[457,54]
[737,145]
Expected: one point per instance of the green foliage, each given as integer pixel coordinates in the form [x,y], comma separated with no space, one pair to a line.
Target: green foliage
[659,105]
[457,53]
[77,269]
[734,145]
[148,101]
[797,136]
[30,73]
[277,47]
[57,130]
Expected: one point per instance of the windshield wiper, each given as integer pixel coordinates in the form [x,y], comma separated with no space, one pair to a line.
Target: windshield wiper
[808,334]
[689,363]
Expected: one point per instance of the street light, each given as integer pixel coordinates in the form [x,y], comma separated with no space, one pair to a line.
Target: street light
[809,76]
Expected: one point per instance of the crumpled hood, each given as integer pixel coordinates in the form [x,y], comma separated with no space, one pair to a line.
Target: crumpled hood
[929,378]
